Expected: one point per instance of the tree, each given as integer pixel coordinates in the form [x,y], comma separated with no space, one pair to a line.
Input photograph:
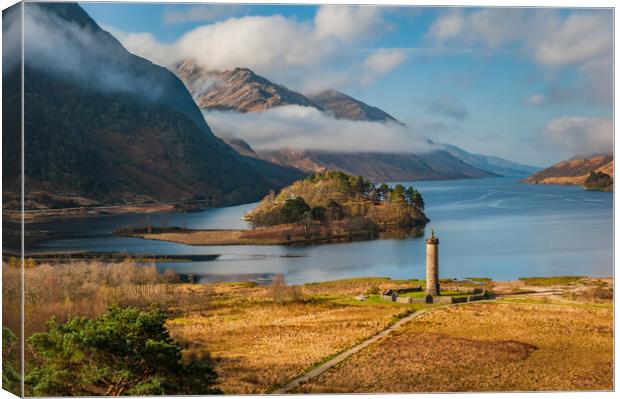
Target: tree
[335,211]
[409,195]
[418,201]
[294,210]
[121,352]
[318,213]
[384,191]
[414,198]
[397,194]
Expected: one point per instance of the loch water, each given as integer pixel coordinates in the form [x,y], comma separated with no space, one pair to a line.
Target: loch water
[495,227]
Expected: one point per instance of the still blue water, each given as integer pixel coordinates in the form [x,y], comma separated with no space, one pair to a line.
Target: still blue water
[495,227]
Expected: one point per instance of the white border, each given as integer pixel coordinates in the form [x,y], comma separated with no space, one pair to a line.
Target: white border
[459,3]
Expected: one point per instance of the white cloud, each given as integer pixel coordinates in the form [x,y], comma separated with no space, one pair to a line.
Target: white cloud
[203,12]
[582,39]
[577,39]
[11,38]
[300,54]
[297,127]
[348,23]
[146,45]
[448,26]
[383,61]
[581,135]
[256,42]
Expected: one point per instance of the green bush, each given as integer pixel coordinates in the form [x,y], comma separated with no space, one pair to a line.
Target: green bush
[124,351]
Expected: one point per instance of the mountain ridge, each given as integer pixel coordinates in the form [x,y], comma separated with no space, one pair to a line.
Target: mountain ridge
[114,128]
[375,166]
[250,92]
[346,107]
[239,89]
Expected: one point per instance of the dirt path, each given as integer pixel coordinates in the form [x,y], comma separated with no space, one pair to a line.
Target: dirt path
[349,352]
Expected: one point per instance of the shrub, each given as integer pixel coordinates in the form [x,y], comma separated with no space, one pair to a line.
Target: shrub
[282,293]
[11,380]
[123,351]
[374,289]
[171,276]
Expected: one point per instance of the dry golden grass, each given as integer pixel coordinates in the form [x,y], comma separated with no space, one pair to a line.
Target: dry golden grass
[261,337]
[258,344]
[276,235]
[355,286]
[84,289]
[203,237]
[485,347]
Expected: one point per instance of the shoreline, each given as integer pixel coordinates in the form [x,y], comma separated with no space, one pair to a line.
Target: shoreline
[289,234]
[40,215]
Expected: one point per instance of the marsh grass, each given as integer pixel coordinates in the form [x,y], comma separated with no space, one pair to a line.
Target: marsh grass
[258,345]
[84,289]
[485,347]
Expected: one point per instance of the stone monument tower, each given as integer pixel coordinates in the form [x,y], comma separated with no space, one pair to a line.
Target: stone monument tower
[432,265]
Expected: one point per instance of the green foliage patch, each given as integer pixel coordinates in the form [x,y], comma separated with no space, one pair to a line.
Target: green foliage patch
[124,351]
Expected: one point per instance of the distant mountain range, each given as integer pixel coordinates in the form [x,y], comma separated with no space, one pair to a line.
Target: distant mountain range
[375,166]
[241,90]
[490,163]
[104,126]
[574,171]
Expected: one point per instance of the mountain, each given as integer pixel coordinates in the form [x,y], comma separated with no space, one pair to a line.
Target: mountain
[345,107]
[490,163]
[378,166]
[103,126]
[241,146]
[240,90]
[574,171]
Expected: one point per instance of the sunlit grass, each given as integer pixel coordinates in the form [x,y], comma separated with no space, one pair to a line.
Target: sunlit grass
[485,347]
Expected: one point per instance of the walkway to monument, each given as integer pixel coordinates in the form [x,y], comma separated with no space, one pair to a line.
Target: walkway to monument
[323,367]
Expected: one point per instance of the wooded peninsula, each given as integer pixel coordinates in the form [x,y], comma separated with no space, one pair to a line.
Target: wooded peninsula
[329,206]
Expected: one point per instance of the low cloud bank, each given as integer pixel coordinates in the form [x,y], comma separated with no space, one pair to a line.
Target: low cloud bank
[306,128]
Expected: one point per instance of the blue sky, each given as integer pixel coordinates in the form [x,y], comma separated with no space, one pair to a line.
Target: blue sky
[531,85]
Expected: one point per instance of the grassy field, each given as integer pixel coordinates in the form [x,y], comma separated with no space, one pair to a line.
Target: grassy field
[506,345]
[540,334]
[284,234]
[261,337]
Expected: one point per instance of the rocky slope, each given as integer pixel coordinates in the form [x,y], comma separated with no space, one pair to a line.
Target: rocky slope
[107,127]
[240,90]
[375,166]
[380,167]
[342,106]
[573,171]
